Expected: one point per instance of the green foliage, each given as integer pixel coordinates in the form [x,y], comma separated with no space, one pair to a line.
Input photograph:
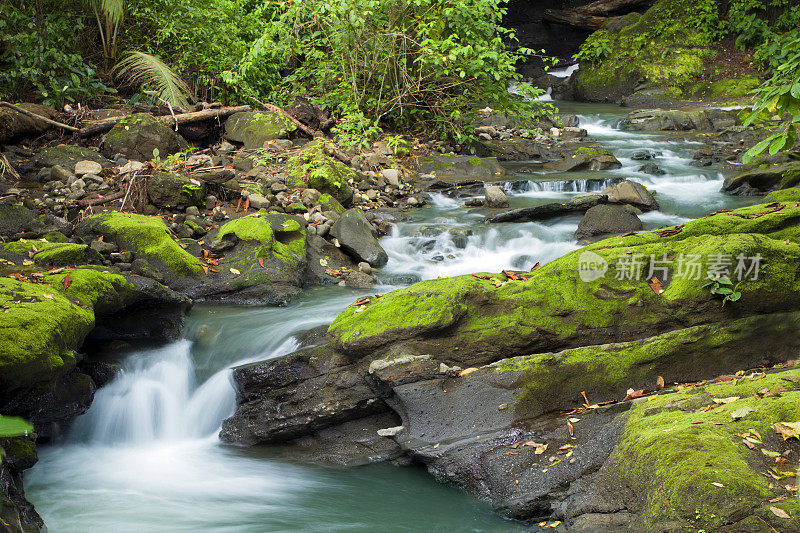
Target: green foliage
[392,63]
[154,75]
[38,57]
[724,287]
[109,15]
[779,95]
[13,426]
[596,47]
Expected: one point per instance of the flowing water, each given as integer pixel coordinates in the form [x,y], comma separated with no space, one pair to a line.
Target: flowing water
[146,456]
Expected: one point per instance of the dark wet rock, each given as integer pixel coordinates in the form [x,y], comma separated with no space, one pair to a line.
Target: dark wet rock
[16,511]
[652,169]
[762,180]
[168,189]
[137,136]
[707,119]
[605,220]
[357,237]
[542,212]
[314,167]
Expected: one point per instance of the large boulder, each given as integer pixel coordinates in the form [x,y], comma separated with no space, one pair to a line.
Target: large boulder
[254,128]
[357,237]
[67,156]
[762,180]
[585,158]
[705,119]
[168,189]
[267,261]
[137,136]
[314,167]
[158,255]
[579,204]
[605,220]
[460,167]
[631,193]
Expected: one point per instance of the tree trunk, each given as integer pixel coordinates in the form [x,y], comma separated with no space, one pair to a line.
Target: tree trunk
[574,19]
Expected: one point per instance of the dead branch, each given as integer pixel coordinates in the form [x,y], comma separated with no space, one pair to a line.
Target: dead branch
[37,117]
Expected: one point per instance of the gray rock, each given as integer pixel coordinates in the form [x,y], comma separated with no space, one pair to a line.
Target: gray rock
[392,176]
[356,237]
[192,211]
[258,202]
[652,169]
[460,168]
[606,220]
[59,173]
[496,197]
[67,155]
[760,181]
[103,247]
[165,189]
[631,193]
[87,167]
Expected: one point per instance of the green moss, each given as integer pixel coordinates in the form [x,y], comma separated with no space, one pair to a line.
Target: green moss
[554,306]
[277,239]
[672,454]
[148,237]
[39,332]
[329,203]
[724,88]
[48,253]
[606,371]
[475,161]
[593,152]
[658,47]
[313,167]
[786,195]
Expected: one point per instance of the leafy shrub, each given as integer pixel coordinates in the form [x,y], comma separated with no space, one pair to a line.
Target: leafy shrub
[780,95]
[38,57]
[397,62]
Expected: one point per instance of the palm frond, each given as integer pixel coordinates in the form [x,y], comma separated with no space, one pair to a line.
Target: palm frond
[152,73]
[112,10]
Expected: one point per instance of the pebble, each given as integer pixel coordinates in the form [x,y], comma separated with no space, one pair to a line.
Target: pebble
[87,167]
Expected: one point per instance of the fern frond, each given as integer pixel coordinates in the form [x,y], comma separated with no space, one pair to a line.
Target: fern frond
[153,74]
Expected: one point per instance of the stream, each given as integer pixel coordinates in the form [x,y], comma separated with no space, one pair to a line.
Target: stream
[146,456]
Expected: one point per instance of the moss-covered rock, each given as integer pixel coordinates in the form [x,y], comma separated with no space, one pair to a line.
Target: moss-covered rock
[460,167]
[585,158]
[151,241]
[254,128]
[684,457]
[66,155]
[269,258]
[168,189]
[314,167]
[329,203]
[555,308]
[791,194]
[137,136]
[45,323]
[44,252]
[658,48]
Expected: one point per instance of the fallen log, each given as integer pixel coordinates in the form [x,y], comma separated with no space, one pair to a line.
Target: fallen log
[542,212]
[574,19]
[106,124]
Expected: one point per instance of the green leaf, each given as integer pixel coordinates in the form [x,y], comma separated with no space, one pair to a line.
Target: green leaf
[777,145]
